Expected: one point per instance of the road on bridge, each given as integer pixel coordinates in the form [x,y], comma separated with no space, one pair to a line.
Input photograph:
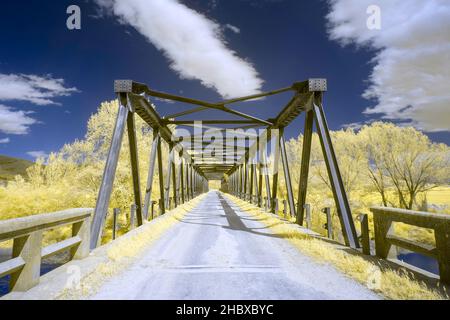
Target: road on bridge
[219,252]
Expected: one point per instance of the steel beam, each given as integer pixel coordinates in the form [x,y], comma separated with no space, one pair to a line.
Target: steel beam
[266,167]
[169,175]
[340,196]
[276,160]
[104,194]
[260,168]
[151,173]
[182,180]
[131,126]
[174,180]
[162,202]
[304,169]
[287,174]
[215,121]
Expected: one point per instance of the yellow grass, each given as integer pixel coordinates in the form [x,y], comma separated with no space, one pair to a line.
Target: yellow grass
[391,284]
[440,196]
[124,251]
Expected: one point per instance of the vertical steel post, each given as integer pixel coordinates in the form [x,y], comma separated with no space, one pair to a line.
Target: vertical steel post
[304,169]
[246,172]
[188,189]
[276,160]
[260,168]
[195,182]
[161,179]
[192,181]
[131,126]
[252,180]
[182,178]
[109,173]
[174,179]
[169,175]
[266,166]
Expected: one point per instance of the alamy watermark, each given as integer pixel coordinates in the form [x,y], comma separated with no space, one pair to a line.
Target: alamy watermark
[373,22]
[73,22]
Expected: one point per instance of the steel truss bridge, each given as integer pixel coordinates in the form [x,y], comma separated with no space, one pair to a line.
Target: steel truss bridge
[241,165]
[215,243]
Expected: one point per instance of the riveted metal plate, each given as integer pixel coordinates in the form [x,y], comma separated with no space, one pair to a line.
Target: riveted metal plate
[317,85]
[123,86]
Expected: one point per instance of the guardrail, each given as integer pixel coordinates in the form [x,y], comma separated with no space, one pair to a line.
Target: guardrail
[25,264]
[440,223]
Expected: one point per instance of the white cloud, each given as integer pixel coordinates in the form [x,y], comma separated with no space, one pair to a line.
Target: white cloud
[38,154]
[411,75]
[15,122]
[193,44]
[5,141]
[357,125]
[353,125]
[32,88]
[233,28]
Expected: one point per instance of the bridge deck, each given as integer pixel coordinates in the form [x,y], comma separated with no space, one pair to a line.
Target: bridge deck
[220,252]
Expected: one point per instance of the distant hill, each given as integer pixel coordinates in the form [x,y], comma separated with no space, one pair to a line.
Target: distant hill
[10,167]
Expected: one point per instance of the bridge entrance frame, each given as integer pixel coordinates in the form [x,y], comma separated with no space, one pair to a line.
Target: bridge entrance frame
[243,169]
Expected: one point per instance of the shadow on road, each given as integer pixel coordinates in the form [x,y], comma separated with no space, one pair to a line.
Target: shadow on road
[234,220]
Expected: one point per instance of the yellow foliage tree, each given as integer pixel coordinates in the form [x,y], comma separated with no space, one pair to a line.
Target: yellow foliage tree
[71,177]
[405,159]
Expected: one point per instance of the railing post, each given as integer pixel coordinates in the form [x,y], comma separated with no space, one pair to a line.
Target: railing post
[285,208]
[116,213]
[29,249]
[365,239]
[329,224]
[82,230]
[161,206]
[153,210]
[132,216]
[276,206]
[442,238]
[308,215]
[382,226]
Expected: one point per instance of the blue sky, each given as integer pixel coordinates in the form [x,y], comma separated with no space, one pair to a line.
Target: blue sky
[285,41]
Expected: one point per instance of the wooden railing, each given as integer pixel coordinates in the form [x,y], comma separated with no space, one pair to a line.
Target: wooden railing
[440,223]
[25,263]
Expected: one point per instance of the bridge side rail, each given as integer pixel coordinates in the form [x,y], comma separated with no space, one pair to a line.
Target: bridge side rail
[25,264]
[439,223]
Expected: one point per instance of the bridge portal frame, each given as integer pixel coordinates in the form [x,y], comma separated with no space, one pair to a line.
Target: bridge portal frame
[241,176]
